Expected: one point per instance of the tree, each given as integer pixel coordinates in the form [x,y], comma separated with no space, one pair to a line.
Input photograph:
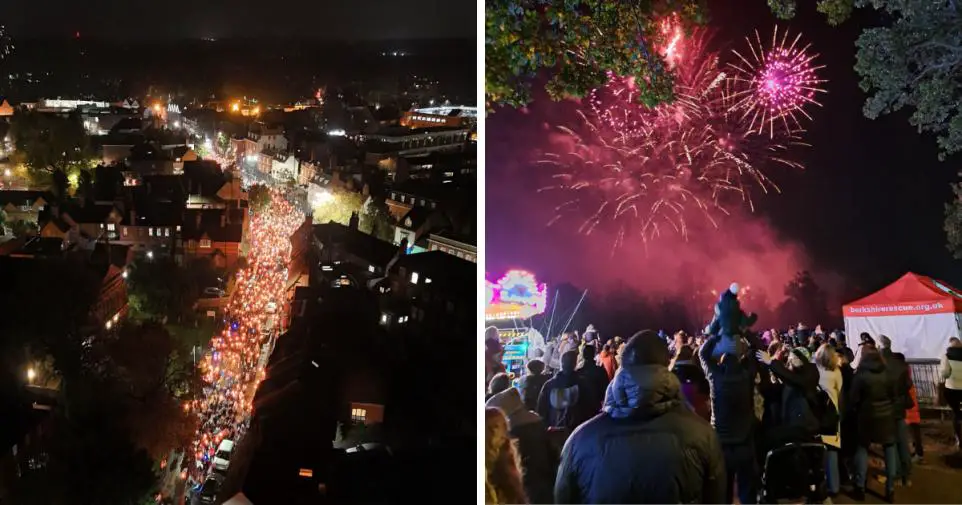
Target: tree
[914,62]
[376,220]
[338,207]
[148,373]
[258,197]
[85,186]
[836,11]
[48,143]
[953,222]
[160,289]
[576,44]
[805,302]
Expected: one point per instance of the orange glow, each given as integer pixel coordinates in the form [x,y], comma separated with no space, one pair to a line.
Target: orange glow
[156,107]
[235,107]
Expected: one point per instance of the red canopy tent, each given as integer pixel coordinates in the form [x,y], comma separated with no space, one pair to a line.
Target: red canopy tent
[918,313]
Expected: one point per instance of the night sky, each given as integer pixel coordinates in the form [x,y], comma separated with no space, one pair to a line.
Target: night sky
[179,19]
[867,208]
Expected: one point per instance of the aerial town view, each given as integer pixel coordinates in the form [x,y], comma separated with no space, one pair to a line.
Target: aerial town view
[236,251]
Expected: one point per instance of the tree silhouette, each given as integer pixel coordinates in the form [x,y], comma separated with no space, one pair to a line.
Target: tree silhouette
[805,302]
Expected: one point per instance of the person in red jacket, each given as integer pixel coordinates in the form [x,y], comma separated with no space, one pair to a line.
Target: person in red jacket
[914,421]
[608,361]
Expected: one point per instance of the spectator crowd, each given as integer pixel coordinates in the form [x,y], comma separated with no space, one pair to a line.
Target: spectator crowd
[728,413]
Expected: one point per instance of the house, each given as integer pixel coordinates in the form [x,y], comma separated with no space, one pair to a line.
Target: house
[214,234]
[454,244]
[24,205]
[415,225]
[149,226]
[437,289]
[83,223]
[335,242]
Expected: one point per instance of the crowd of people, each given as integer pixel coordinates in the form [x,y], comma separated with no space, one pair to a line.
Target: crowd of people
[703,419]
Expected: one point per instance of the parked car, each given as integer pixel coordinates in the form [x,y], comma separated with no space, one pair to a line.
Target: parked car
[222,456]
[214,292]
[210,488]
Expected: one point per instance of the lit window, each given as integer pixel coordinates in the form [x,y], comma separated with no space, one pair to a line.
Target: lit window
[150,231]
[383,316]
[370,268]
[358,415]
[178,227]
[414,277]
[433,205]
[427,280]
[125,230]
[422,202]
[166,232]
[111,227]
[205,243]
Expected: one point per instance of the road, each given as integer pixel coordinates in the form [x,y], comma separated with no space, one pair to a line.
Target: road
[235,364]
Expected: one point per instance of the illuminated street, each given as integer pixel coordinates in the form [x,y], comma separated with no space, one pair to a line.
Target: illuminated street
[235,364]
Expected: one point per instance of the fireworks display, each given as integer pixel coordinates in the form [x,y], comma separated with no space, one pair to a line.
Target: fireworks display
[6,45]
[235,365]
[776,83]
[649,170]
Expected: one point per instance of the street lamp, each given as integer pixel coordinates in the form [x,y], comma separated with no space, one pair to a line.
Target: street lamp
[150,255]
[31,375]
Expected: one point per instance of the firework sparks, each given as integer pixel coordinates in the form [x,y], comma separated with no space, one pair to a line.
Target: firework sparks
[6,45]
[649,170]
[775,84]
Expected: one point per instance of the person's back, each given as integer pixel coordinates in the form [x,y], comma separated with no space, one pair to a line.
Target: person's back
[595,378]
[531,384]
[694,385]
[731,382]
[562,402]
[871,400]
[646,447]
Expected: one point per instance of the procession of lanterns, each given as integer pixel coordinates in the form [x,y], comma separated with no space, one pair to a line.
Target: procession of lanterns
[235,363]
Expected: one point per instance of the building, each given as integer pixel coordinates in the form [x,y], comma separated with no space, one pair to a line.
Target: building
[402,141]
[452,116]
[454,244]
[213,234]
[24,205]
[335,242]
[431,290]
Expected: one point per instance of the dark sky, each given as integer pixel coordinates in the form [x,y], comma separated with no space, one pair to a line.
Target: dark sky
[176,19]
[867,208]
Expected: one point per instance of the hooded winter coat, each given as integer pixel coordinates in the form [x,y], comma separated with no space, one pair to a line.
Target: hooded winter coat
[870,402]
[831,382]
[646,447]
[732,388]
[539,458]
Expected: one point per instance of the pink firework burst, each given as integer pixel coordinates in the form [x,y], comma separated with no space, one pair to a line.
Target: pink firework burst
[648,170]
[774,84]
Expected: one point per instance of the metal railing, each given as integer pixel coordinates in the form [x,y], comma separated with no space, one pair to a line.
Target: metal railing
[925,375]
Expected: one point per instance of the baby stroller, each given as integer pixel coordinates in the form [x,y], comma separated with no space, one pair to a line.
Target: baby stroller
[794,473]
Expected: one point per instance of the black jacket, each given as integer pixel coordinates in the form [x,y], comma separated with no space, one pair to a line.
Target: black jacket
[564,401]
[596,379]
[870,402]
[798,395]
[898,372]
[646,447]
[732,395]
[530,386]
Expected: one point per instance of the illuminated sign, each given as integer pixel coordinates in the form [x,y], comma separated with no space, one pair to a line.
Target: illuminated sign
[517,295]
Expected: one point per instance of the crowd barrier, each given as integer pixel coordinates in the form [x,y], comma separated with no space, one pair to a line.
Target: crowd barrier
[925,375]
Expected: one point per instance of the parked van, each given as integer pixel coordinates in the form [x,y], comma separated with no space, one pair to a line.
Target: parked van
[222,456]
